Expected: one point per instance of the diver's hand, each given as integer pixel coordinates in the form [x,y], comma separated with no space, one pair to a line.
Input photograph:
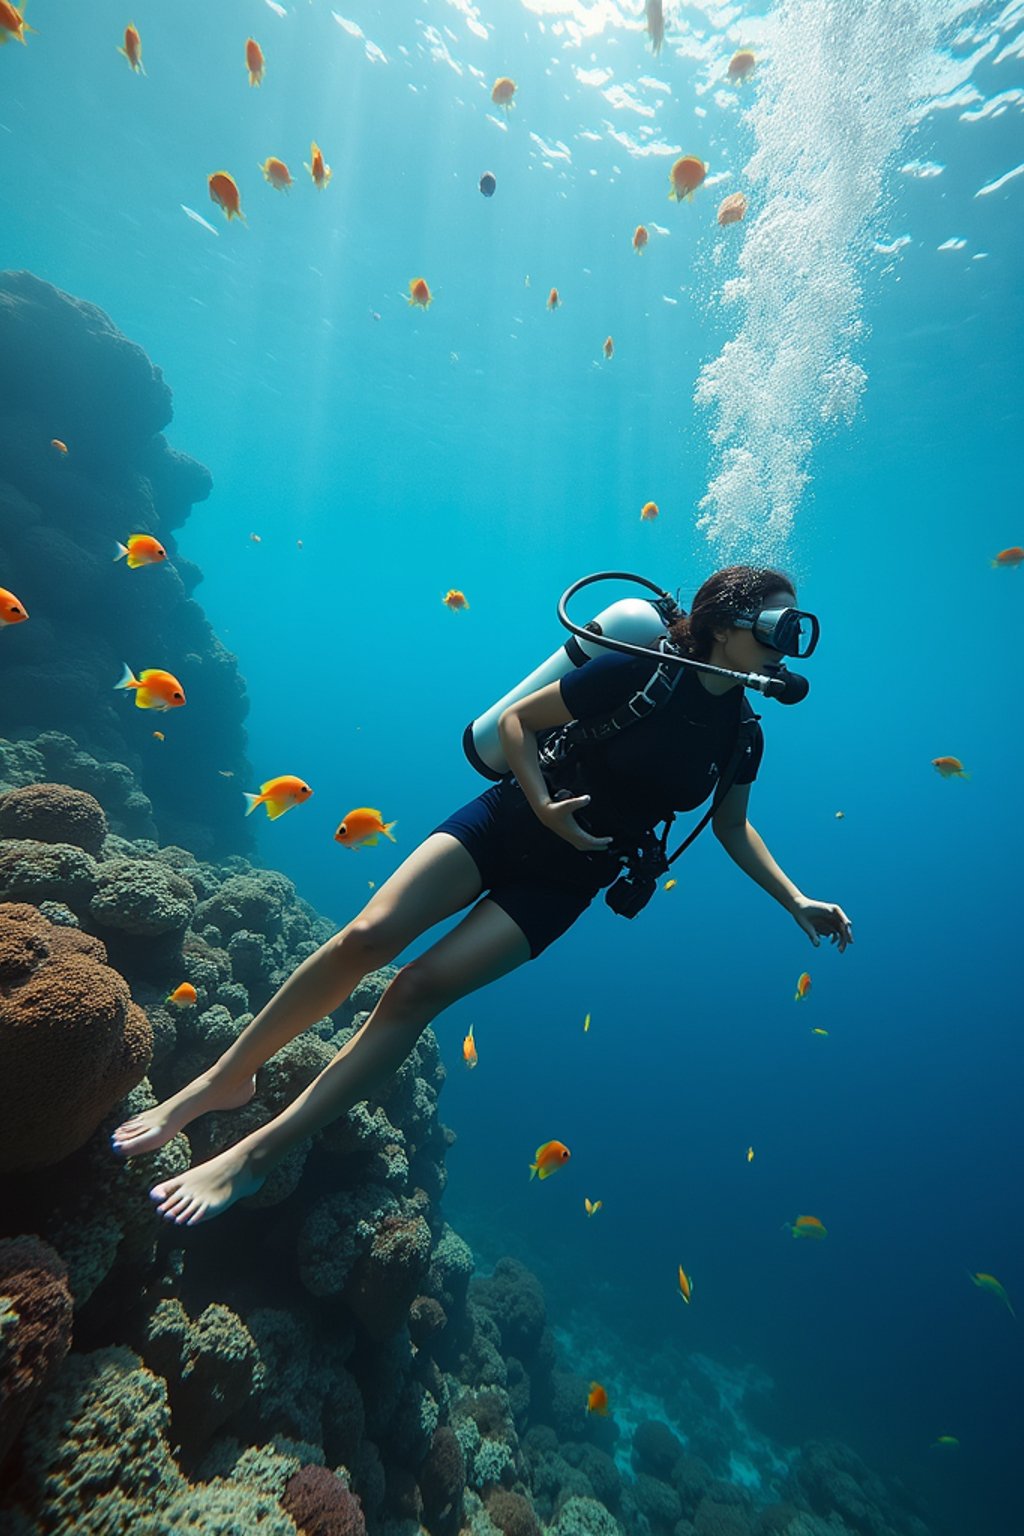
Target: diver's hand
[821,917]
[557,816]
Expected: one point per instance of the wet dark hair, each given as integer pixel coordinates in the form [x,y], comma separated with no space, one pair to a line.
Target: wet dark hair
[736,589]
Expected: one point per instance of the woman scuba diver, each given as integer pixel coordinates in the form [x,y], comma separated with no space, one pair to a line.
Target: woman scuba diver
[536,847]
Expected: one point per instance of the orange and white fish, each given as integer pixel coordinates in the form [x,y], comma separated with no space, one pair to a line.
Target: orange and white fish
[741,66]
[803,986]
[276,173]
[654,19]
[159,736]
[548,1158]
[278,795]
[12,23]
[419,293]
[1009,559]
[224,192]
[254,61]
[685,177]
[132,49]
[59,446]
[154,688]
[183,996]
[806,1226]
[991,1284]
[502,92]
[597,1399]
[363,828]
[609,347]
[592,1206]
[648,512]
[141,549]
[455,601]
[11,610]
[553,299]
[317,167]
[949,768]
[685,1285]
[732,209]
[469,1055]
[640,238]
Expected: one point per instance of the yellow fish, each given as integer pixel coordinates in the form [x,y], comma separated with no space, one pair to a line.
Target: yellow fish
[592,1206]
[469,1055]
[991,1284]
[670,885]
[750,1154]
[946,1441]
[586,1024]
[807,1226]
[685,1285]
[159,736]
[819,1031]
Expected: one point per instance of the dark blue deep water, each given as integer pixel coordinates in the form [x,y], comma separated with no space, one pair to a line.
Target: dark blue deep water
[859,421]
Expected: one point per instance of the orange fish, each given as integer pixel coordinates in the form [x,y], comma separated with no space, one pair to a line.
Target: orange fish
[224,192]
[277,173]
[12,23]
[61,447]
[597,1399]
[609,347]
[502,92]
[640,238]
[159,736]
[154,689]
[553,299]
[455,601]
[419,293]
[592,1206]
[132,49]
[741,65]
[141,549]
[732,209]
[949,768]
[11,610]
[317,167]
[1009,559]
[183,996]
[685,1286]
[548,1158]
[649,511]
[363,828]
[278,795]
[803,986]
[807,1226]
[654,17]
[469,1055]
[254,61]
[686,176]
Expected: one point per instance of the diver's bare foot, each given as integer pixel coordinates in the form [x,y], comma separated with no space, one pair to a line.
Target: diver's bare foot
[206,1191]
[146,1132]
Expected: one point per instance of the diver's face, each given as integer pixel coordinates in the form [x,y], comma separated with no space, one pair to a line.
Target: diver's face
[741,650]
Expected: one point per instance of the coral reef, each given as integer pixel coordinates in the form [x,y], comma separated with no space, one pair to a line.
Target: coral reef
[60,518]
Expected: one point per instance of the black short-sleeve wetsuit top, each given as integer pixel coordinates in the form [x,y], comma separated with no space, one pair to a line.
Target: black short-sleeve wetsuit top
[669,761]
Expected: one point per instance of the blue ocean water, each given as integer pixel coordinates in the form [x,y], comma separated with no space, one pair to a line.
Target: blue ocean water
[486,444]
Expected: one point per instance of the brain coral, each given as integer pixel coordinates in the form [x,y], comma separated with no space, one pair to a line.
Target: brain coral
[36,1315]
[53,813]
[72,1041]
[138,897]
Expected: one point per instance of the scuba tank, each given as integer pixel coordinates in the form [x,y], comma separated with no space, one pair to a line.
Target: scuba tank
[636,622]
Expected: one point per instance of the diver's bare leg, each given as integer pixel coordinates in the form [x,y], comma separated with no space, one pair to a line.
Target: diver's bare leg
[438,878]
[485,945]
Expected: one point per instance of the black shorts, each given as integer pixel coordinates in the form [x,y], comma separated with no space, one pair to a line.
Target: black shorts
[540,880]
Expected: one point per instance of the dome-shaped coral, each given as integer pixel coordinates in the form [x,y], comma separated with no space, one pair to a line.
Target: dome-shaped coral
[36,1315]
[321,1505]
[53,813]
[139,897]
[72,1041]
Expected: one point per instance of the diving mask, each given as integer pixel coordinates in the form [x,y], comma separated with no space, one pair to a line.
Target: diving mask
[788,630]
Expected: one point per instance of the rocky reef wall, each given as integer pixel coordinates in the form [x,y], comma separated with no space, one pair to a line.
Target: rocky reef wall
[67,373]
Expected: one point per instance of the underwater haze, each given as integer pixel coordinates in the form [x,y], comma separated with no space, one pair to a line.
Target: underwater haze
[831,385]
